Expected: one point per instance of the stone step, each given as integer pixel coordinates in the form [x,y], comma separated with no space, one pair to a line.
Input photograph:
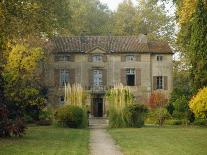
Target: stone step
[98,123]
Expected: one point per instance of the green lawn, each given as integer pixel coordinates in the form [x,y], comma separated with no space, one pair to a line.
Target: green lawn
[162,141]
[47,141]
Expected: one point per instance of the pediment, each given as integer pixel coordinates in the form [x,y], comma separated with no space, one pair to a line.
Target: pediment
[97,50]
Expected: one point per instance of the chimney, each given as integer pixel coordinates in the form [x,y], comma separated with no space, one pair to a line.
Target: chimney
[142,38]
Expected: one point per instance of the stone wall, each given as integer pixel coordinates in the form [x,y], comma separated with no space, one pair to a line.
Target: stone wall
[147,65]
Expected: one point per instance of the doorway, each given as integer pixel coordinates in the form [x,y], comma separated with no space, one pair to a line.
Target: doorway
[97,107]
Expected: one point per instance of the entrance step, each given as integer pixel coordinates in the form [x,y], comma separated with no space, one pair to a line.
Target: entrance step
[98,123]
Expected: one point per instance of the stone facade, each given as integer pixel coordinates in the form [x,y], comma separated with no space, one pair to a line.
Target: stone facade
[97,63]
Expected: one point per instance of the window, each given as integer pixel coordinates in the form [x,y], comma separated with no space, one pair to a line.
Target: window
[97,78]
[159,82]
[159,58]
[97,58]
[62,99]
[130,77]
[130,58]
[64,77]
[62,57]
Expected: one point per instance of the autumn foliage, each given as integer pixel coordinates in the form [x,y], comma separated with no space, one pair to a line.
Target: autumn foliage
[157,99]
[198,104]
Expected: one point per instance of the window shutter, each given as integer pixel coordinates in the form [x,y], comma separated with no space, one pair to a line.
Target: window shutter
[90,77]
[138,77]
[105,58]
[123,58]
[165,82]
[71,76]
[56,77]
[89,58]
[104,73]
[154,82]
[123,76]
[138,57]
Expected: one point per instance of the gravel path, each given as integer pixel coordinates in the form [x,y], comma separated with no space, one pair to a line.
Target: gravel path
[101,143]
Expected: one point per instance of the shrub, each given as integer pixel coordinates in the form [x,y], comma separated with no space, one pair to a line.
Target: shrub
[45,117]
[178,115]
[159,116]
[136,115]
[198,104]
[157,100]
[200,122]
[8,126]
[174,122]
[72,116]
[119,98]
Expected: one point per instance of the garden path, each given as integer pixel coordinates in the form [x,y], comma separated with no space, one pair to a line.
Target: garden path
[101,143]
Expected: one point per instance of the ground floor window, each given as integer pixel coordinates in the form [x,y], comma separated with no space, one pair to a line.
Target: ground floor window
[159,82]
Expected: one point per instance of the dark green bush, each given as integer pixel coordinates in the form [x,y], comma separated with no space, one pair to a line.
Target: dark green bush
[71,116]
[10,126]
[174,122]
[178,115]
[136,115]
[200,122]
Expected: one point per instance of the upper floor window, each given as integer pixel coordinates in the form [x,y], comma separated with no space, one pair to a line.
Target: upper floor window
[159,82]
[62,57]
[159,58]
[97,58]
[130,58]
[64,77]
[130,77]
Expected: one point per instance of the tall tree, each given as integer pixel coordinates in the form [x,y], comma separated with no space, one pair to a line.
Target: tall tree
[193,40]
[147,17]
[90,16]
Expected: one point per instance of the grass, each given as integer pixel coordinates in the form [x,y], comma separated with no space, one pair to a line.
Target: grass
[162,141]
[47,141]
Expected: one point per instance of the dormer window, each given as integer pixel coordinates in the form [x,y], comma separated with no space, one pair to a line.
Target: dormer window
[130,58]
[159,58]
[97,58]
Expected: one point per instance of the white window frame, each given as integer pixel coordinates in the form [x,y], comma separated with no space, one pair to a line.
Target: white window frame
[97,82]
[160,82]
[64,77]
[97,58]
[130,57]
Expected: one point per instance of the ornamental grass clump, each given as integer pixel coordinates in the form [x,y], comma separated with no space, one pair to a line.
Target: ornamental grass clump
[76,97]
[119,98]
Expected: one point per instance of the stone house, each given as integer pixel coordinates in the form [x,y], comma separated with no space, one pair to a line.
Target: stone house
[99,62]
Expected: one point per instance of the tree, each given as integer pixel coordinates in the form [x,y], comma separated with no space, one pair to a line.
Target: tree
[198,104]
[22,89]
[192,39]
[89,16]
[147,17]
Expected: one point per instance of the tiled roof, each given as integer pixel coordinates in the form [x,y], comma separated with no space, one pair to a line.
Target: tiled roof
[109,44]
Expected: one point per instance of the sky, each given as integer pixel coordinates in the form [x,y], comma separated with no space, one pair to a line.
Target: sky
[113,5]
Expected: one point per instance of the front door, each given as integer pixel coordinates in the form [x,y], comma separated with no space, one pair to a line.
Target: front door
[98,107]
